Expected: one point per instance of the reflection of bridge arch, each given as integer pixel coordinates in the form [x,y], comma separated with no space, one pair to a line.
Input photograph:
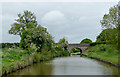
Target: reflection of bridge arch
[83,47]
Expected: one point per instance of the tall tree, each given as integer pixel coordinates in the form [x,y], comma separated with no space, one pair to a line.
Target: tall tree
[110,20]
[63,42]
[37,36]
[111,24]
[25,21]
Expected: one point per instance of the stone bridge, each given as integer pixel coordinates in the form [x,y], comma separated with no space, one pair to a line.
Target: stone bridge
[83,47]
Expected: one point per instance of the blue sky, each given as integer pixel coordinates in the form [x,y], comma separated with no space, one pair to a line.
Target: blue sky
[73,20]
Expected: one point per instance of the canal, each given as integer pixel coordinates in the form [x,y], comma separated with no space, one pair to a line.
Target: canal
[73,65]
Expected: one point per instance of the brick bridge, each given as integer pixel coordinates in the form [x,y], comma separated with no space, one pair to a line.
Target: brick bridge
[83,47]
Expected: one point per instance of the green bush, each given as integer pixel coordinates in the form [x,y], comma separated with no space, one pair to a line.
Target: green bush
[86,41]
[96,43]
[9,45]
[38,36]
[104,48]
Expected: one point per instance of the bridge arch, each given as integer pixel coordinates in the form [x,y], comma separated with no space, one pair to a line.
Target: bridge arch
[83,47]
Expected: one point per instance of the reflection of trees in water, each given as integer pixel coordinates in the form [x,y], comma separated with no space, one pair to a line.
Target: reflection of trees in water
[43,68]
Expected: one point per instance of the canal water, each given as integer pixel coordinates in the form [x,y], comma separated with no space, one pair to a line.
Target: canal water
[73,65]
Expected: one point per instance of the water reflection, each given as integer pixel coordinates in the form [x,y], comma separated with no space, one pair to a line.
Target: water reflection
[74,65]
[43,68]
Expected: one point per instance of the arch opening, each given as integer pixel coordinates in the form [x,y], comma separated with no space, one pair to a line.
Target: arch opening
[76,50]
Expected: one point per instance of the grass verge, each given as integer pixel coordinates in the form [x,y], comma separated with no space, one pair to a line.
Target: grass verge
[14,59]
[103,51]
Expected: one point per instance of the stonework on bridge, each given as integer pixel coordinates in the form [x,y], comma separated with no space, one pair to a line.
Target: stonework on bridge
[83,47]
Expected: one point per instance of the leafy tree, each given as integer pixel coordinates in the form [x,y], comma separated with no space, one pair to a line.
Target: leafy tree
[86,41]
[49,41]
[110,20]
[25,21]
[38,36]
[64,43]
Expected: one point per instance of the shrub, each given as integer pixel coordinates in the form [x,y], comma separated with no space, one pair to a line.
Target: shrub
[86,41]
[9,45]
[38,36]
[96,43]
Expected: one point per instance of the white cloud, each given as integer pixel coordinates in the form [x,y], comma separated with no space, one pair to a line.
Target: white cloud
[75,21]
[54,17]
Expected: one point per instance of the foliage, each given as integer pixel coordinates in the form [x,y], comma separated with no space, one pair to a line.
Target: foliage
[13,59]
[86,41]
[104,48]
[32,48]
[110,20]
[38,36]
[36,44]
[96,43]
[111,25]
[64,43]
[9,45]
[25,21]
[109,36]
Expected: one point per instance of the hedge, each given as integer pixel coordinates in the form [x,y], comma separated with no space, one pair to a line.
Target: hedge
[9,45]
[96,43]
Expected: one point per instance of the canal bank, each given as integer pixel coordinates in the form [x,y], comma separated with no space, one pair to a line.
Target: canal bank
[73,65]
[12,61]
[110,63]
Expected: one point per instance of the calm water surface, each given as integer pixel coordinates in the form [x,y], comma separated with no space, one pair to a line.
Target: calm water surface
[73,65]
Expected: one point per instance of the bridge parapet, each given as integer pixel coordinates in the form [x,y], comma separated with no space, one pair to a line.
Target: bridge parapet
[83,47]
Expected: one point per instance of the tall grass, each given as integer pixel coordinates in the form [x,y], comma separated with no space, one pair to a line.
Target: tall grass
[14,59]
[103,51]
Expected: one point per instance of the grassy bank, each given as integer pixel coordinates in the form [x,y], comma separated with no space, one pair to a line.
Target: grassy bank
[103,51]
[14,59]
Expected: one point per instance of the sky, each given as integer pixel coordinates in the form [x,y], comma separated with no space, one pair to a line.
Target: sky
[73,20]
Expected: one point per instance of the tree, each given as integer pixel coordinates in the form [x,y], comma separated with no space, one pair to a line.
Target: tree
[86,41]
[25,21]
[110,20]
[64,43]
